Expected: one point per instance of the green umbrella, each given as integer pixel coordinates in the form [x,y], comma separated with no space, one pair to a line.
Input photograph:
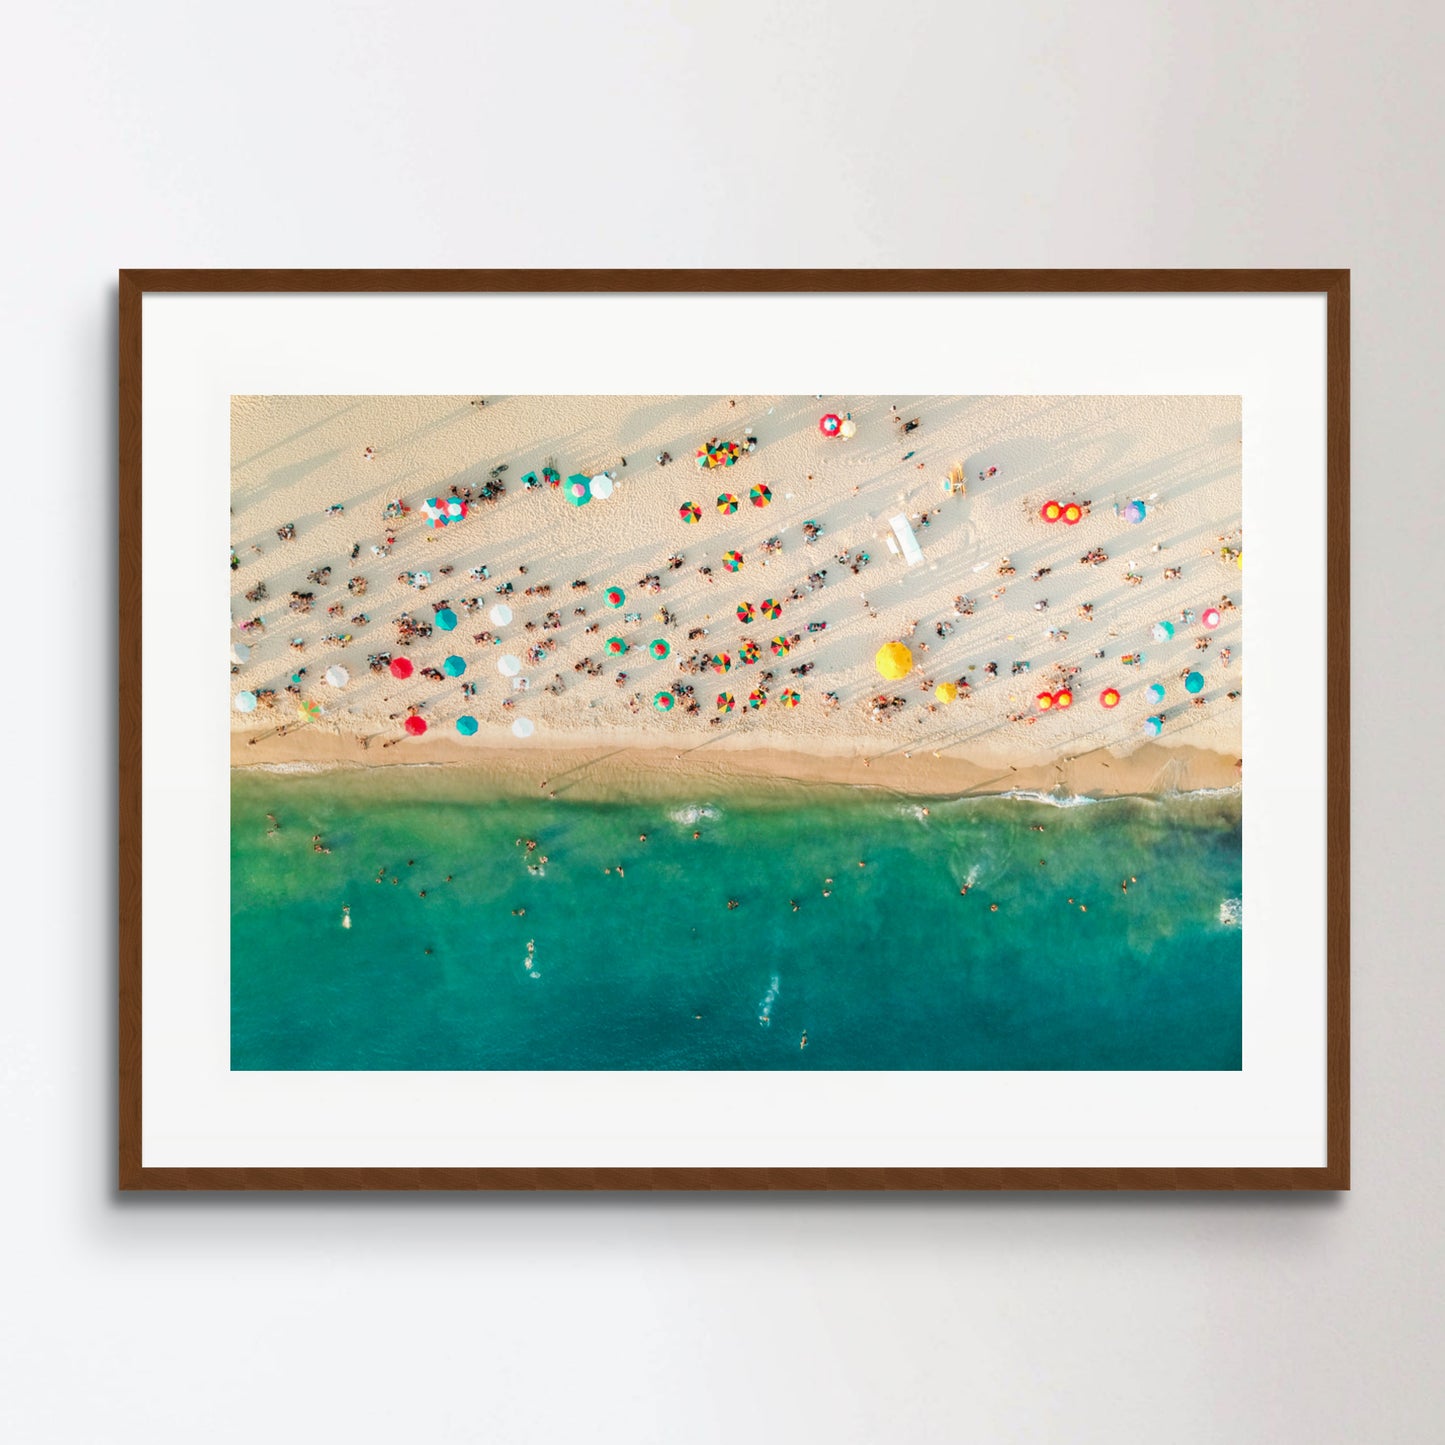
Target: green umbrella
[578,490]
[659,648]
[616,646]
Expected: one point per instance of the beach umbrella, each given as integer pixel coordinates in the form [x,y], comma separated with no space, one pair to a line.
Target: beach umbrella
[1156,692]
[244,702]
[1063,698]
[725,702]
[1194,682]
[616,646]
[1109,697]
[454,666]
[745,612]
[893,660]
[789,698]
[727,503]
[456,509]
[466,726]
[615,597]
[240,653]
[780,646]
[1044,701]
[1163,631]
[501,614]
[436,513]
[663,701]
[602,486]
[830,425]
[578,490]
[689,512]
[308,709]
[416,726]
[336,676]
[1153,726]
[1134,512]
[757,697]
[523,727]
[1072,513]
[946,692]
[761,495]
[1051,511]
[772,607]
[732,560]
[849,429]
[659,648]
[508,665]
[1210,618]
[748,650]
[721,662]
[446,619]
[400,667]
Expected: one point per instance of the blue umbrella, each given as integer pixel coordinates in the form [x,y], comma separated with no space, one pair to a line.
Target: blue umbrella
[244,702]
[1134,512]
[1194,682]
[1163,631]
[1153,726]
[1156,691]
[446,619]
[454,666]
[466,726]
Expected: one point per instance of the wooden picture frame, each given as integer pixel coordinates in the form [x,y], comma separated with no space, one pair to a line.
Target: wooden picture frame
[135,1174]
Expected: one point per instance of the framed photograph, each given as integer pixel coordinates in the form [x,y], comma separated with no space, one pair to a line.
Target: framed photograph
[638,769]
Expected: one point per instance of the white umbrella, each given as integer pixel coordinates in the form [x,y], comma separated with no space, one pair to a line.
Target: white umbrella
[602,486]
[240,652]
[849,428]
[508,665]
[523,728]
[501,614]
[337,676]
[244,702]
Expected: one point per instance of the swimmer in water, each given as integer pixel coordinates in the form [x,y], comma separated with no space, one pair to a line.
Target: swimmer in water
[732,903]
[642,837]
[963,892]
[793,902]
[803,1042]
[518,912]
[620,873]
[993,907]
[697,835]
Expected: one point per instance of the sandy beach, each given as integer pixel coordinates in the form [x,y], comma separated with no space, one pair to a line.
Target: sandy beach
[1002,604]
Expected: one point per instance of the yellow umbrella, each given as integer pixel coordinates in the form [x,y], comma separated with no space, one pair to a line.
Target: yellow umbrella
[946,692]
[893,660]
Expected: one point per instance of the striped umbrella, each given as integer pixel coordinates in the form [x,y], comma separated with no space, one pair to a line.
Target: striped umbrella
[748,650]
[308,709]
[727,503]
[725,702]
[663,701]
[689,512]
[757,697]
[578,490]
[780,646]
[615,597]
[761,495]
[732,560]
[789,698]
[659,648]
[746,612]
[446,619]
[721,662]
[416,726]
[772,608]
[454,666]
[616,646]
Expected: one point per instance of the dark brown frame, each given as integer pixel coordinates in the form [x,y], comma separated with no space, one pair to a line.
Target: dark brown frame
[1334,1174]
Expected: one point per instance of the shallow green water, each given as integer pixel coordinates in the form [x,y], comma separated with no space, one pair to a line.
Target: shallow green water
[651,970]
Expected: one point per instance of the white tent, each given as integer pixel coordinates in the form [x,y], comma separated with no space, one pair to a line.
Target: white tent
[907,541]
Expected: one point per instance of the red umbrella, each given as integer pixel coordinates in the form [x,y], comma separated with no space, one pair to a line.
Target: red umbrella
[401,667]
[1109,697]
[1051,511]
[1072,513]
[1063,698]
[829,424]
[416,726]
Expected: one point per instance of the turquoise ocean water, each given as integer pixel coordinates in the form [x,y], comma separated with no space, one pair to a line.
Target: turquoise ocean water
[652,970]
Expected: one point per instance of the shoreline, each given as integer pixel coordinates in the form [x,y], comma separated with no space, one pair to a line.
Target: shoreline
[603,770]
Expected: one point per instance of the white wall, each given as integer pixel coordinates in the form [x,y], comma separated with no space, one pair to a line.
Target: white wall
[634,133]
